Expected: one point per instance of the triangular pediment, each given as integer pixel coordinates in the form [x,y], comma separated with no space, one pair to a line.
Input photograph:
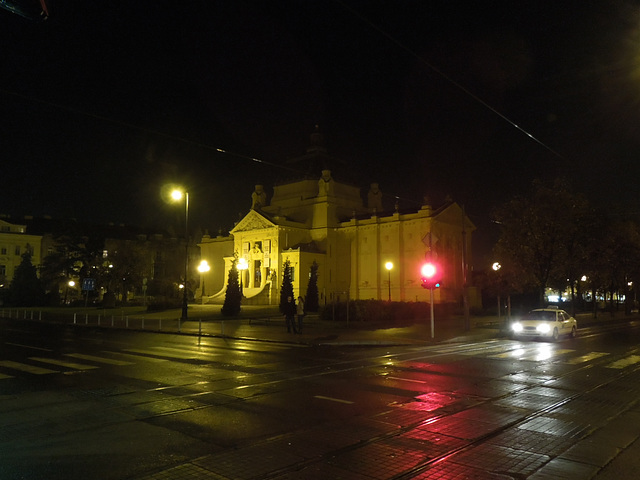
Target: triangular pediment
[252,221]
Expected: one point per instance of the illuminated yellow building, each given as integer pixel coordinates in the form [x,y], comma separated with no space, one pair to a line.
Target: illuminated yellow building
[14,243]
[325,221]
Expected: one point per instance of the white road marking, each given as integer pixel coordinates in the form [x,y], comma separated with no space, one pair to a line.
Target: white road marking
[93,358]
[191,353]
[62,363]
[406,379]
[26,368]
[586,358]
[138,357]
[181,356]
[331,399]
[624,362]
[28,346]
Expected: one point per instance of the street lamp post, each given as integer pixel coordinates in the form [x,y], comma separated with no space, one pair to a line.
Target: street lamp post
[496,267]
[203,268]
[389,266]
[177,195]
[242,266]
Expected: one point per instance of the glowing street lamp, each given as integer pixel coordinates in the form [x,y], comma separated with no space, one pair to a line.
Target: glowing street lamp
[203,268]
[177,195]
[242,266]
[389,267]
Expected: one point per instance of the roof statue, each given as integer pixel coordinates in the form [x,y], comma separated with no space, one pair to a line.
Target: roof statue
[374,198]
[258,198]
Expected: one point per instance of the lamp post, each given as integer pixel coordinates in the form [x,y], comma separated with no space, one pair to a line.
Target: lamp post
[177,195]
[389,266]
[496,267]
[242,266]
[203,268]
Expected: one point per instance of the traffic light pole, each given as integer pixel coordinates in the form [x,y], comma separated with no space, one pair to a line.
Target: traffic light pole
[432,324]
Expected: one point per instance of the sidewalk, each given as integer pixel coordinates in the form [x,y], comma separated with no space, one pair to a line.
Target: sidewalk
[267,326]
[318,332]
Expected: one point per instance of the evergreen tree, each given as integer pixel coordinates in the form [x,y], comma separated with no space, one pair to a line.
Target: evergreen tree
[233,297]
[311,301]
[286,290]
[26,289]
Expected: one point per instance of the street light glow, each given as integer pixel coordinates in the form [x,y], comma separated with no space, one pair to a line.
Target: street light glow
[177,194]
[204,266]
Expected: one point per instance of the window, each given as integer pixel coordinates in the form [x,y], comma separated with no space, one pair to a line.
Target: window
[3,250]
[267,246]
[3,270]
[245,247]
[17,252]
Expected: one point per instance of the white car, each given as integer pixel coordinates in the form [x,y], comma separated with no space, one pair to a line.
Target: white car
[546,323]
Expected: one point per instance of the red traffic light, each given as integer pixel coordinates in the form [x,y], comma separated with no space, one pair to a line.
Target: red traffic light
[430,274]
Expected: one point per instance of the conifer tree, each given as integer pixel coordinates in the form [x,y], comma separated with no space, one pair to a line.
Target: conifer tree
[287,286]
[233,297]
[311,302]
[26,289]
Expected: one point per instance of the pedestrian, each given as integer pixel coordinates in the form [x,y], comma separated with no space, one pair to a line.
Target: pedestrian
[300,313]
[290,314]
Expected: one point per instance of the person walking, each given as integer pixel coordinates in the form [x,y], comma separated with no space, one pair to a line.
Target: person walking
[300,313]
[290,314]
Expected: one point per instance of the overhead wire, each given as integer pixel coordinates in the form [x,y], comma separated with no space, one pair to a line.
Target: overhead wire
[438,71]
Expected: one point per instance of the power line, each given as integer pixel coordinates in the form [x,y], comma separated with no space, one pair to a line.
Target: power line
[435,69]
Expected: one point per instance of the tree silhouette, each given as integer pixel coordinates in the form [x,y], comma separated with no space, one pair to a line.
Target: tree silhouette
[311,300]
[540,233]
[233,297]
[26,289]
[287,286]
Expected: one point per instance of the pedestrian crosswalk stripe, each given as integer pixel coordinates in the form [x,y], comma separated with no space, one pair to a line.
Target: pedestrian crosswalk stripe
[624,362]
[586,358]
[93,358]
[169,354]
[545,354]
[138,357]
[188,353]
[536,353]
[26,368]
[62,363]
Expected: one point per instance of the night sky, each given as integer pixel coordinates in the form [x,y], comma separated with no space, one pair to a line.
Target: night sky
[106,101]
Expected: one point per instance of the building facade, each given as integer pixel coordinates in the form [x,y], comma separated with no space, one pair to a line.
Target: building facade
[327,222]
[14,243]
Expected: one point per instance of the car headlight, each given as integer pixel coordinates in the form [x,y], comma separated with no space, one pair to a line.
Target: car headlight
[516,327]
[543,328]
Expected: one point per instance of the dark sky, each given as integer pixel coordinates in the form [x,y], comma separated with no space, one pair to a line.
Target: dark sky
[105,101]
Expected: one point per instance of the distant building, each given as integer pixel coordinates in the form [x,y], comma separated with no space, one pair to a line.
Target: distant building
[325,221]
[15,242]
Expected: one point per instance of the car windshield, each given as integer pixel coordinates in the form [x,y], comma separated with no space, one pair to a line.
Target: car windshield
[541,315]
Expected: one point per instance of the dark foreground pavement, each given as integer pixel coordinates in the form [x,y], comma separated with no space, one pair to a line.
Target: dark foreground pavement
[621,437]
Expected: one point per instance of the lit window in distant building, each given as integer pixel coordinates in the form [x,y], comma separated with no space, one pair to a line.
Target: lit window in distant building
[105,253]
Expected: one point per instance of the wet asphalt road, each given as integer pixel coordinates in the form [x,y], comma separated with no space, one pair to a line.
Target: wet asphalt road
[106,404]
